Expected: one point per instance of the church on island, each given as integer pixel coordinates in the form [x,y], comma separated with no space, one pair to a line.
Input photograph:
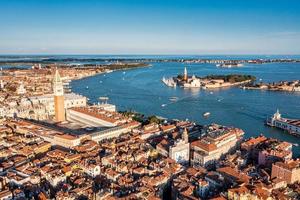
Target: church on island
[207,82]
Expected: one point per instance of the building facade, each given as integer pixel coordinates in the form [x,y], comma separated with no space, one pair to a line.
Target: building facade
[288,171]
[180,151]
[215,144]
[290,125]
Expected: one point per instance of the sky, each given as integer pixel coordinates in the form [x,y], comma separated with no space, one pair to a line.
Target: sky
[150,27]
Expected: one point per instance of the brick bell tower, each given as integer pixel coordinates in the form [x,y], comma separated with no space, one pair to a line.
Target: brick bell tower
[185,74]
[59,99]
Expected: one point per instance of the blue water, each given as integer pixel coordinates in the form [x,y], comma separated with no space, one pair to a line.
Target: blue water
[141,90]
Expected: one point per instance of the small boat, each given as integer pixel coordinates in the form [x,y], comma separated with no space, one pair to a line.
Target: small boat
[100,81]
[296,144]
[173,99]
[206,114]
[124,72]
[211,93]
[87,87]
[163,105]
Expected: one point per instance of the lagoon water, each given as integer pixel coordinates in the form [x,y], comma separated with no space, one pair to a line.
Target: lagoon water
[142,90]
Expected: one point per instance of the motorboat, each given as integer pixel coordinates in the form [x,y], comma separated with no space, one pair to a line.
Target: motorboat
[173,99]
[206,114]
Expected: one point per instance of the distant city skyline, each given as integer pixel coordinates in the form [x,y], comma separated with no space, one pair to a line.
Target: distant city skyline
[149,27]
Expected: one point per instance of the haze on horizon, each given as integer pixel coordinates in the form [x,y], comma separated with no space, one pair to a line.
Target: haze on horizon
[150,27]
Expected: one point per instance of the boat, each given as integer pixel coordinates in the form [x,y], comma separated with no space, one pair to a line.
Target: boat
[296,145]
[206,114]
[173,99]
[87,87]
[163,105]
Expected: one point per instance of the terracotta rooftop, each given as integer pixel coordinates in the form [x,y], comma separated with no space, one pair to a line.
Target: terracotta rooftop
[293,164]
[205,146]
[112,117]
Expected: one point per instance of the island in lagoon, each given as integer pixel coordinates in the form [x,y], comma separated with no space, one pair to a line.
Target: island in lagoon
[208,82]
[287,86]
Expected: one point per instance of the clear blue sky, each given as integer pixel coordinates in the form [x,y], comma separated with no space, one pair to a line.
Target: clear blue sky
[150,27]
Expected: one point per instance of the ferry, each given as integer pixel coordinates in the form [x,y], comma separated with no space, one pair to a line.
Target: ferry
[292,126]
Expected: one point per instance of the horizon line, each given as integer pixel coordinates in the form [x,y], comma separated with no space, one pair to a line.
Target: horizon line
[149,54]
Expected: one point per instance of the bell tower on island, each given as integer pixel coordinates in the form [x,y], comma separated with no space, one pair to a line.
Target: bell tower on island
[59,100]
[185,74]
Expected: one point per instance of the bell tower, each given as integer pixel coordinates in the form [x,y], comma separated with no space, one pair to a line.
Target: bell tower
[185,75]
[59,100]
[185,136]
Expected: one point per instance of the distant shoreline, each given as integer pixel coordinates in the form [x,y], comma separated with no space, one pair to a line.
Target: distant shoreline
[89,61]
[110,70]
[281,86]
